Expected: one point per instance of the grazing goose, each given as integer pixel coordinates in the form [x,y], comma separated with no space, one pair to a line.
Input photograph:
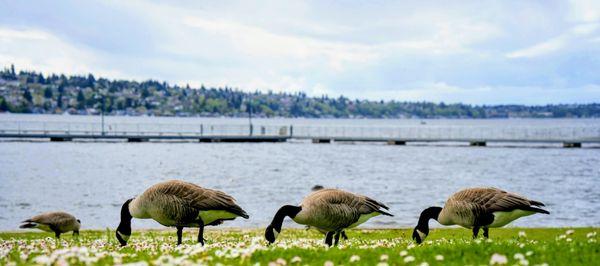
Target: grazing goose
[57,222]
[477,208]
[179,204]
[329,210]
[343,234]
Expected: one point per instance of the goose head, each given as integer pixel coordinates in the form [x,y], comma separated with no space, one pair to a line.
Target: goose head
[124,229]
[271,234]
[421,231]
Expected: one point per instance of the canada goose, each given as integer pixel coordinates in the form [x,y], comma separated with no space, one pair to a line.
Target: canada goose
[477,208]
[179,204]
[57,222]
[329,210]
[343,234]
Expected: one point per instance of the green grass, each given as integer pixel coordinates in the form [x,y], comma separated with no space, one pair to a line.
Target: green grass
[532,246]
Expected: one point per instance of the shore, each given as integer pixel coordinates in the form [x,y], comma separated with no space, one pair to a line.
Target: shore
[233,246]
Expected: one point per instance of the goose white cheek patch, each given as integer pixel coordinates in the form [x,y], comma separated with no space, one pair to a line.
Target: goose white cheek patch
[125,237]
[422,235]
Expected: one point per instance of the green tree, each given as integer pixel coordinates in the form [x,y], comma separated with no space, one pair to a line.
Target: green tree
[4,107]
[80,100]
[27,95]
[145,93]
[59,100]
[48,93]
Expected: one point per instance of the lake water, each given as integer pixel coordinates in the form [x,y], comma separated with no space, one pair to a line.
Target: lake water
[93,179]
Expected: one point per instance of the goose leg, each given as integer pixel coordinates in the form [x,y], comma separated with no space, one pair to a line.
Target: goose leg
[486,232]
[475,231]
[201,233]
[344,236]
[329,238]
[56,232]
[337,238]
[179,234]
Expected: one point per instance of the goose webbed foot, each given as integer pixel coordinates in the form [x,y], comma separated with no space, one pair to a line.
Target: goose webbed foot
[329,238]
[486,232]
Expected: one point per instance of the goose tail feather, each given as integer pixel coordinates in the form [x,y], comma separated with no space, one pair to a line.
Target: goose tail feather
[538,210]
[385,213]
[28,225]
[536,203]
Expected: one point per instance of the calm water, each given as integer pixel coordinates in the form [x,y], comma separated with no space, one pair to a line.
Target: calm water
[93,179]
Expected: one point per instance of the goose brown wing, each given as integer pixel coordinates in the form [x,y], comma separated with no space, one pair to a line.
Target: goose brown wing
[331,209]
[52,218]
[370,205]
[363,204]
[340,208]
[492,199]
[202,198]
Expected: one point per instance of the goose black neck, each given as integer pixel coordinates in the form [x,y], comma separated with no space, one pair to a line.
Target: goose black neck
[287,210]
[426,215]
[125,224]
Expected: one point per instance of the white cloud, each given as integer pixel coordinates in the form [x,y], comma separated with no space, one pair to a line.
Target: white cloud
[584,10]
[400,50]
[7,34]
[585,14]
[594,88]
[435,91]
[42,51]
[585,29]
[443,92]
[540,48]
[255,41]
[319,90]
[575,34]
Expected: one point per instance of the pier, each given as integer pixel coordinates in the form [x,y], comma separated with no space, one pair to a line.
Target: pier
[61,131]
[476,136]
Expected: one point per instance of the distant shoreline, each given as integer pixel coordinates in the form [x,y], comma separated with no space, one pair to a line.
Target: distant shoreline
[307,118]
[32,92]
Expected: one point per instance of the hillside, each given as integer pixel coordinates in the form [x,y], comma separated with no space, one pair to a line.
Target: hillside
[31,92]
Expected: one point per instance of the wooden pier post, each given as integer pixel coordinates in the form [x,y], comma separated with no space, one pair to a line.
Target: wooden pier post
[396,142]
[572,144]
[478,143]
[137,139]
[60,139]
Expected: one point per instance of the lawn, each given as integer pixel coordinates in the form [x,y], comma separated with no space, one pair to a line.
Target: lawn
[512,246]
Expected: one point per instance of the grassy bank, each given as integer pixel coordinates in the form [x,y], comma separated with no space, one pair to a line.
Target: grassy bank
[525,246]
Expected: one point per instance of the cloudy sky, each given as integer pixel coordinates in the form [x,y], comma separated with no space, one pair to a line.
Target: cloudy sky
[527,52]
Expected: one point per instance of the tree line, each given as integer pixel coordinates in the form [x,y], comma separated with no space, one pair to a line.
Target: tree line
[32,92]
